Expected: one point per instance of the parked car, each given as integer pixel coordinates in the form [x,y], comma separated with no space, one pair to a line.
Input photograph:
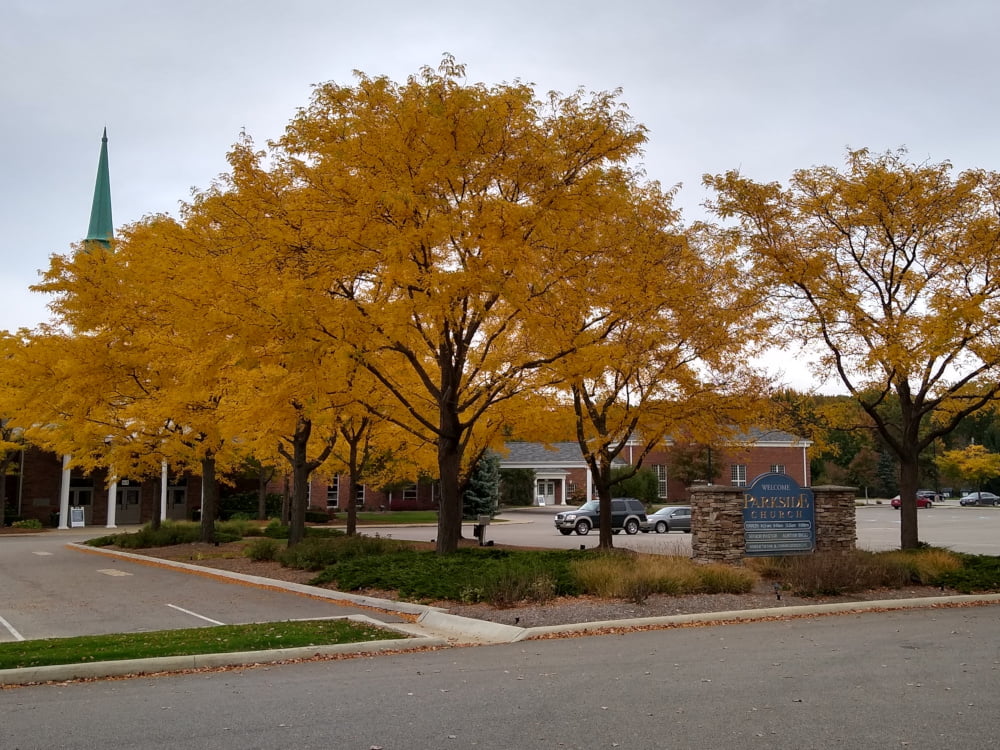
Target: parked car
[979,498]
[626,513]
[668,518]
[925,499]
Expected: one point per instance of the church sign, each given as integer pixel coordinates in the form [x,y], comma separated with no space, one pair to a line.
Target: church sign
[779,517]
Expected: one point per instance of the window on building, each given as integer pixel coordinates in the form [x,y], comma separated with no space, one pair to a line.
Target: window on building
[333,493]
[777,468]
[359,495]
[738,475]
[410,493]
[661,479]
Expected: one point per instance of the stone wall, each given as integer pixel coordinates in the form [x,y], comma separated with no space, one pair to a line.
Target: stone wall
[836,525]
[717,521]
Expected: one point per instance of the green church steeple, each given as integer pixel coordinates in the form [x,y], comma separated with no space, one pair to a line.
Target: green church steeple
[101,227]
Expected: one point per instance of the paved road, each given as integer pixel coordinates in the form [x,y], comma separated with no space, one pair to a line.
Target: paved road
[52,591]
[975,530]
[916,680]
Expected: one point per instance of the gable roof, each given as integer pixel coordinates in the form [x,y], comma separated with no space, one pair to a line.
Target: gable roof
[529,455]
[516,455]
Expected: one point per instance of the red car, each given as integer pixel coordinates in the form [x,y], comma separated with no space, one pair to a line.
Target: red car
[924,500]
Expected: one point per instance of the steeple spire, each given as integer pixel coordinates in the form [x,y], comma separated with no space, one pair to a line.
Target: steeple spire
[101,227]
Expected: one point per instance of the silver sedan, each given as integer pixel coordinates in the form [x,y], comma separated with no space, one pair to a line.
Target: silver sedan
[669,518]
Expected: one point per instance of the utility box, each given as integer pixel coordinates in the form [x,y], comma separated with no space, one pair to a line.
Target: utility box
[479,530]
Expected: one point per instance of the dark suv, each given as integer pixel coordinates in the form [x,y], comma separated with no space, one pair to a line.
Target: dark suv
[626,513]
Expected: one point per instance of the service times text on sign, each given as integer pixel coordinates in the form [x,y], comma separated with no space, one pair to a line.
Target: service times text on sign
[779,517]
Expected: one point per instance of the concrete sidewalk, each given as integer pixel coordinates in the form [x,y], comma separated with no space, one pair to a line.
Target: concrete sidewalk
[428,627]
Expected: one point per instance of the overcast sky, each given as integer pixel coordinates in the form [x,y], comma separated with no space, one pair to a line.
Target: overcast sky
[765,86]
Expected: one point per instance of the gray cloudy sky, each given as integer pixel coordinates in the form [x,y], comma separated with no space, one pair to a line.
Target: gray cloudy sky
[766,86]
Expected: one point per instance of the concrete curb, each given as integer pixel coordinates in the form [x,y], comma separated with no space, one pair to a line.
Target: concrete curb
[751,615]
[470,630]
[136,667]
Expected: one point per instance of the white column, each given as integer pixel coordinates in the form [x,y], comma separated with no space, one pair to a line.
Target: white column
[113,505]
[164,477]
[590,485]
[64,494]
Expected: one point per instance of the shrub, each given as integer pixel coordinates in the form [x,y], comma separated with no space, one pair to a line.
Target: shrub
[169,533]
[978,573]
[833,574]
[27,523]
[636,577]
[925,566]
[726,579]
[262,550]
[238,527]
[314,515]
[493,575]
[276,530]
[316,553]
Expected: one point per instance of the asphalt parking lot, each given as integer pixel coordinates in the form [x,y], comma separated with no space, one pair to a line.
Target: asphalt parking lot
[54,591]
[975,530]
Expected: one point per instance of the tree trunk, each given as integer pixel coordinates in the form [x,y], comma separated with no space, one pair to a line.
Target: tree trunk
[209,493]
[263,477]
[4,466]
[154,522]
[450,510]
[286,503]
[908,478]
[352,485]
[300,485]
[602,475]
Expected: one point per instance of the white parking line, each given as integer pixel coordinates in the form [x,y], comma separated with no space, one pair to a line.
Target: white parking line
[195,614]
[113,572]
[42,554]
[10,629]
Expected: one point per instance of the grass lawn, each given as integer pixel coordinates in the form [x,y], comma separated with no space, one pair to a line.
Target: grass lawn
[390,517]
[212,640]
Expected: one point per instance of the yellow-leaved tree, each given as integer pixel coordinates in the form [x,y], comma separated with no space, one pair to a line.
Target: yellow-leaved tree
[445,219]
[889,268]
[973,463]
[667,355]
[11,432]
[139,381]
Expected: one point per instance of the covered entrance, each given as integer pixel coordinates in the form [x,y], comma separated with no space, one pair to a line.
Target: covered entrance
[81,495]
[550,488]
[545,492]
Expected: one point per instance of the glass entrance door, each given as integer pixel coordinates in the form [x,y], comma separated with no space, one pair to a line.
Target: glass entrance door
[545,492]
[83,497]
[128,507]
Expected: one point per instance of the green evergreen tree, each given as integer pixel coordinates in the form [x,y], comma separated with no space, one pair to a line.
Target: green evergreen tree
[482,491]
[888,474]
